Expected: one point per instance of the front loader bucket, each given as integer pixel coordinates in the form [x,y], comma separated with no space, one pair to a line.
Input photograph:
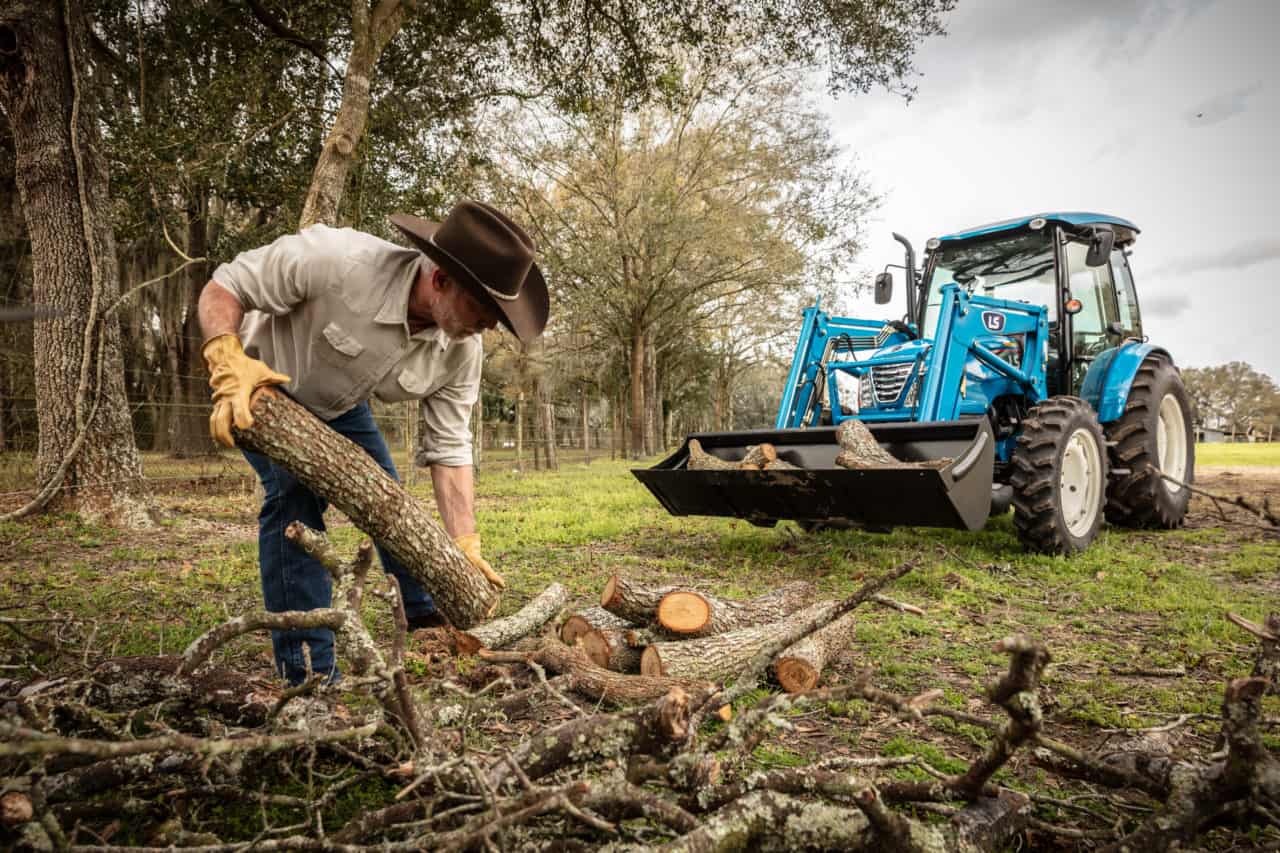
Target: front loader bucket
[956,495]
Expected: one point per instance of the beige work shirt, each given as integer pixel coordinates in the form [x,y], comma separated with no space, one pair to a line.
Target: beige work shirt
[327,306]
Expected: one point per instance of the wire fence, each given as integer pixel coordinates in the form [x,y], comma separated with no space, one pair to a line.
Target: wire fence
[495,445]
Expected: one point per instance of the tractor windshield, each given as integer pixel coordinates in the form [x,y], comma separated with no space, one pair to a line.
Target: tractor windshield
[1018,268]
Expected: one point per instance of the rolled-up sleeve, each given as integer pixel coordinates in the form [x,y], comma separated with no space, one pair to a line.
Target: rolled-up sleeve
[276,277]
[446,416]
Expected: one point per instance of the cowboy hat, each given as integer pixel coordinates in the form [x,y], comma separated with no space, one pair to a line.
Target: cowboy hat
[483,250]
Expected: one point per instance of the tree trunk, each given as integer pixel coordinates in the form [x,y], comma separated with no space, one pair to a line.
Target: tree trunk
[371,30]
[694,614]
[62,180]
[520,432]
[723,655]
[637,393]
[191,419]
[653,409]
[586,428]
[799,667]
[549,431]
[339,471]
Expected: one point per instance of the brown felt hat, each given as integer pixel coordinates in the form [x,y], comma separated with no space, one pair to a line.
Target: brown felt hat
[482,249]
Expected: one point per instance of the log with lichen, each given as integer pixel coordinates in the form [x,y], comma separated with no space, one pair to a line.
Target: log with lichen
[581,622]
[859,449]
[341,472]
[799,667]
[722,655]
[634,602]
[538,612]
[697,614]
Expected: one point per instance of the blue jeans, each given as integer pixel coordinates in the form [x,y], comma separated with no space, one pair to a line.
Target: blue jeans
[291,580]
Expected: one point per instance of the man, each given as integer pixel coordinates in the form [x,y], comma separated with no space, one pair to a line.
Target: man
[344,316]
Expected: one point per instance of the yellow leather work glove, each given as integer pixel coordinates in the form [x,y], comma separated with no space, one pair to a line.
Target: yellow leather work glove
[234,377]
[470,546]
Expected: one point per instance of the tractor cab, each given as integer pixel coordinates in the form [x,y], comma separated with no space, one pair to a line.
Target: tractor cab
[1073,264]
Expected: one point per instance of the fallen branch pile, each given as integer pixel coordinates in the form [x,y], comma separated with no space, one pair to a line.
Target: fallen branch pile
[537,746]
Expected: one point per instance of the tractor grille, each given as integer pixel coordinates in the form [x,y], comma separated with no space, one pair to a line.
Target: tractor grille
[888,379]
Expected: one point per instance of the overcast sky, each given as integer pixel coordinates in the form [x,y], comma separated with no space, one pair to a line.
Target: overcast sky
[1165,113]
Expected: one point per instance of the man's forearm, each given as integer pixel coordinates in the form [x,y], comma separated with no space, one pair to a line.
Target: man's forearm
[455,498]
[219,311]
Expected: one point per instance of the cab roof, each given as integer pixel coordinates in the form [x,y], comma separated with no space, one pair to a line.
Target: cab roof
[1125,232]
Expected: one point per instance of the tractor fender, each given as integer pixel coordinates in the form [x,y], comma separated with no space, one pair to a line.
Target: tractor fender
[1106,385]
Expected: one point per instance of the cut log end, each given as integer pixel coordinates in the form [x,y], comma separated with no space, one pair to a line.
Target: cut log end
[610,593]
[651,662]
[596,645]
[684,612]
[795,675]
[573,628]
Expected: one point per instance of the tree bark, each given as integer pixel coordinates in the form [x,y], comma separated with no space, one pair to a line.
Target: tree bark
[531,617]
[634,603]
[191,435]
[722,655]
[601,684]
[695,614]
[652,729]
[62,180]
[637,392]
[799,667]
[611,649]
[371,30]
[339,471]
[586,429]
[592,618]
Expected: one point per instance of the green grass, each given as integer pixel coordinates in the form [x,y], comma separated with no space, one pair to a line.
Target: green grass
[1223,453]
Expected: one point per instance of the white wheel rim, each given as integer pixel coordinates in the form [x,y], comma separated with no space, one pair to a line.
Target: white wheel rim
[1171,442]
[1080,485]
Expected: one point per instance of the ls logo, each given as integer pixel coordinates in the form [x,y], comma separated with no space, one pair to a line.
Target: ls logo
[993,320]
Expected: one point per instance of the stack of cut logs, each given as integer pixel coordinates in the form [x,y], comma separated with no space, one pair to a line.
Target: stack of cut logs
[677,632]
[858,449]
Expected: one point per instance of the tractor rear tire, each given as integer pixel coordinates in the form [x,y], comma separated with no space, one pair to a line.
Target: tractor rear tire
[1059,477]
[1153,436]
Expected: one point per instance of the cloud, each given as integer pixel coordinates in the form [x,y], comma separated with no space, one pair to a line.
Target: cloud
[1223,106]
[1166,305]
[1235,257]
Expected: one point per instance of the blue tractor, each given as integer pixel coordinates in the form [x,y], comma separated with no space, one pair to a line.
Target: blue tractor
[1020,370]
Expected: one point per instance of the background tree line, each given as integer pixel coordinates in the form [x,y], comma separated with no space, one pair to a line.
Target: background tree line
[685,194]
[1234,398]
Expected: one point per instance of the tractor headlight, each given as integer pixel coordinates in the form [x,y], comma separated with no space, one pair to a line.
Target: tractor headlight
[866,392]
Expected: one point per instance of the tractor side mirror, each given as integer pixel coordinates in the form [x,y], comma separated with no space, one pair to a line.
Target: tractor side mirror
[884,288]
[1100,246]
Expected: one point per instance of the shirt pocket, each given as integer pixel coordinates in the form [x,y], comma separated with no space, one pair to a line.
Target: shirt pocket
[414,383]
[338,339]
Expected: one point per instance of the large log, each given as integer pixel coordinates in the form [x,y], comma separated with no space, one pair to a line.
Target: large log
[799,667]
[631,601]
[695,614]
[591,618]
[531,617]
[337,470]
[721,655]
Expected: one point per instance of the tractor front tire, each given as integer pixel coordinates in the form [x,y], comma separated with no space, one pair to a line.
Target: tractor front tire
[1153,437]
[1059,477]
